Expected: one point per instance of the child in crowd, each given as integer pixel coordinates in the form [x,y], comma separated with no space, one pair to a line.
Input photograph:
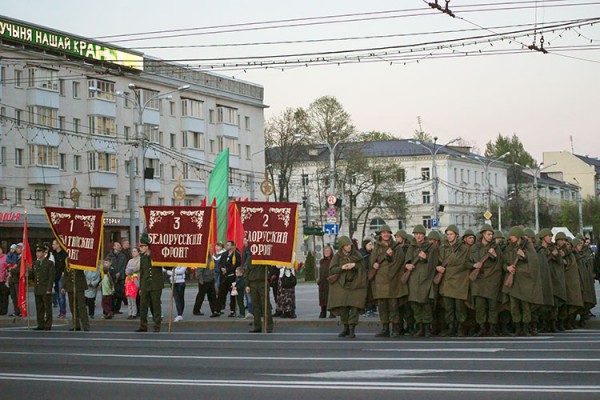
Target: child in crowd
[108,289]
[240,287]
[132,284]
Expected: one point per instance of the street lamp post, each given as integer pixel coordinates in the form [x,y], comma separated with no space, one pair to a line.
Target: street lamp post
[140,107]
[536,172]
[486,163]
[579,206]
[434,170]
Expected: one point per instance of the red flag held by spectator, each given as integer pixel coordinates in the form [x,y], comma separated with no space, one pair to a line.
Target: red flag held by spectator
[26,262]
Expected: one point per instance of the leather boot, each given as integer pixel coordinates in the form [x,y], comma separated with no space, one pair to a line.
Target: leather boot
[461,330]
[396,330]
[345,332]
[351,334]
[553,328]
[526,329]
[385,331]
[445,331]
[518,330]
[323,313]
[427,330]
[533,329]
[481,332]
[493,330]
[421,331]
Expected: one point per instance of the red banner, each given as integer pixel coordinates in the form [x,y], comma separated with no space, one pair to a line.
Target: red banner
[270,229]
[178,236]
[79,232]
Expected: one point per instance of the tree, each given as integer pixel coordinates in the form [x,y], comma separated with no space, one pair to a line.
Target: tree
[328,121]
[518,210]
[420,134]
[569,214]
[374,136]
[309,267]
[284,146]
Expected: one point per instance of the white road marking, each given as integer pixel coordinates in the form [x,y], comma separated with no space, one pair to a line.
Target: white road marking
[320,359]
[335,385]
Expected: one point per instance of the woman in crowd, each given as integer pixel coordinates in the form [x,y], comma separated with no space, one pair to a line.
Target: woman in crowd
[323,283]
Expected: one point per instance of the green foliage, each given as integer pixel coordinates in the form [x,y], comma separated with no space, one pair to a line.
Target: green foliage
[569,214]
[309,267]
[422,136]
[374,136]
[513,144]
[328,121]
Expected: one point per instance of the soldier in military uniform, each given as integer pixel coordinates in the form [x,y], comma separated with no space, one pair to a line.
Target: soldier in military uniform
[521,260]
[42,272]
[406,314]
[74,281]
[543,314]
[587,280]
[421,259]
[151,286]
[486,286]
[386,265]
[348,290]
[454,287]
[573,285]
[255,276]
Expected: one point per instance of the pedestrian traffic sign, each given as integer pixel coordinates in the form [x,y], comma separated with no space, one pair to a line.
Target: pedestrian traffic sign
[434,223]
[331,199]
[331,229]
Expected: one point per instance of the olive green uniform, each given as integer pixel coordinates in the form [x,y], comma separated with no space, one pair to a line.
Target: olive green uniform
[573,283]
[255,276]
[348,294]
[151,286]
[420,280]
[75,278]
[386,286]
[454,287]
[486,288]
[42,272]
[527,288]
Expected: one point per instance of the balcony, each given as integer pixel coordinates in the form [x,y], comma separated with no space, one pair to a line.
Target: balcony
[46,137]
[42,97]
[193,153]
[152,185]
[234,161]
[193,124]
[102,107]
[103,180]
[228,130]
[42,175]
[194,187]
[151,117]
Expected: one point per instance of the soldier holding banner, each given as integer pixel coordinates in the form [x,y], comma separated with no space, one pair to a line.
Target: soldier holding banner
[151,286]
[74,284]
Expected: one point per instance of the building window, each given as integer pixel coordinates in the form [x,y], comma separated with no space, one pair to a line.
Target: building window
[247,123]
[462,175]
[455,175]
[427,221]
[226,115]
[211,116]
[61,123]
[155,165]
[161,201]
[103,89]
[18,117]
[76,90]
[151,133]
[186,171]
[376,224]
[40,197]
[77,163]
[62,161]
[43,155]
[191,108]
[173,140]
[173,172]
[61,87]
[194,140]
[18,196]
[105,162]
[248,152]
[172,108]
[43,78]
[114,201]
[187,202]
[105,126]
[44,116]
[18,79]
[3,75]
[2,114]
[19,157]
[425,174]
[3,155]
[426,197]
[184,140]
[76,124]
[231,144]
[96,197]
[150,98]
[211,146]
[127,132]
[127,208]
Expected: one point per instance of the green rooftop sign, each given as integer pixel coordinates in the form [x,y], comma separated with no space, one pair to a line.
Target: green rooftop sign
[67,44]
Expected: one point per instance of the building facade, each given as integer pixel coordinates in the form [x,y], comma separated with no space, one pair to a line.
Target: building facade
[70,113]
[575,169]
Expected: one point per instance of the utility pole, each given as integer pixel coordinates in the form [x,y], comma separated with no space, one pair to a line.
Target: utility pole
[579,206]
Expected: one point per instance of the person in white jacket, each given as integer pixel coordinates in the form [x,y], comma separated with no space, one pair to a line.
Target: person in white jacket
[178,289]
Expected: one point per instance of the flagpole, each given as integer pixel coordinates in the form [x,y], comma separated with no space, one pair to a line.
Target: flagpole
[27,299]
[266,300]
[172,290]
[74,311]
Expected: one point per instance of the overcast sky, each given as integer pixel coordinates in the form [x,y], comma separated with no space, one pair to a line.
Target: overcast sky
[543,98]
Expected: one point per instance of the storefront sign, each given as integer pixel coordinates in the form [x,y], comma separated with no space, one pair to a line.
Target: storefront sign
[112,221]
[270,229]
[68,44]
[79,232]
[10,217]
[178,235]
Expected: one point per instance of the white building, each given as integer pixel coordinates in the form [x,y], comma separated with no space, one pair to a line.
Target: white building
[68,112]
[462,179]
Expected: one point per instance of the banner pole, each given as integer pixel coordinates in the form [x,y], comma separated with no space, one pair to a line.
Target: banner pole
[266,300]
[74,312]
[171,305]
[27,299]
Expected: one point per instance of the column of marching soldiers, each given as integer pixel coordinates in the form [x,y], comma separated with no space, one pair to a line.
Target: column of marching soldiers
[480,284]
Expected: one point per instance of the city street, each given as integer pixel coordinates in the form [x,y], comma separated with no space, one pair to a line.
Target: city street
[304,358]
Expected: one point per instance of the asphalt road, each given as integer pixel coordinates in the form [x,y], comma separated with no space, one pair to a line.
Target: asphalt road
[293,363]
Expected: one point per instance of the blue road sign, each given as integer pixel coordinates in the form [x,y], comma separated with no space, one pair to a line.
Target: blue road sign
[331,229]
[434,223]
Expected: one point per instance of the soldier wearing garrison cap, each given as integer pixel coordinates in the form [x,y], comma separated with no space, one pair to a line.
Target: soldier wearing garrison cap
[151,286]
[42,272]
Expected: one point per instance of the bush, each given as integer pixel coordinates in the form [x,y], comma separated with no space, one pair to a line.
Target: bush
[309,267]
